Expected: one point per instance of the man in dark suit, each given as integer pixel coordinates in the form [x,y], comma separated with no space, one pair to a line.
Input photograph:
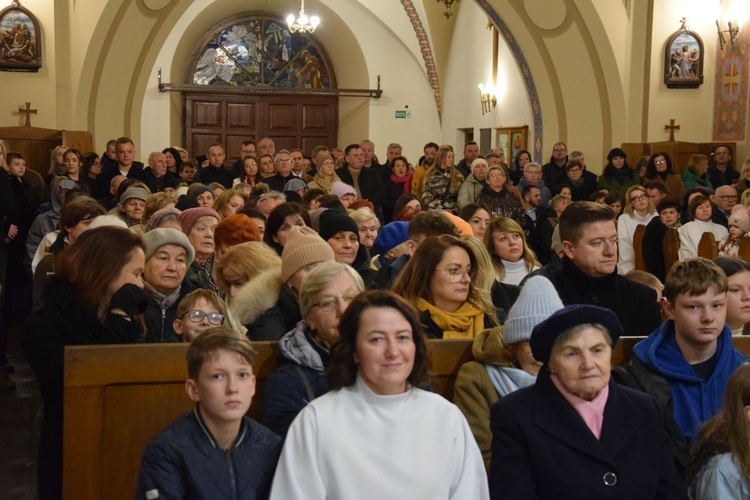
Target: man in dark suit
[216,171]
[283,171]
[366,182]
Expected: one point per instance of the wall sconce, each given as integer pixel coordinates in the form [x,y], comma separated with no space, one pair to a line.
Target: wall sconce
[733,30]
[488,97]
[448,5]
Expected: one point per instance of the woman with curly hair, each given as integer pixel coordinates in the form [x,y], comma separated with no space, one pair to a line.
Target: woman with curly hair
[442,182]
[500,196]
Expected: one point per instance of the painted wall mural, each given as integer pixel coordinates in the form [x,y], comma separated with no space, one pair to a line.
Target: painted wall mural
[260,51]
[730,96]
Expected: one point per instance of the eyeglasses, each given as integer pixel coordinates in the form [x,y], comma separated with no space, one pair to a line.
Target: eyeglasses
[330,303]
[727,197]
[284,161]
[639,198]
[454,274]
[197,316]
[660,162]
[574,169]
[559,150]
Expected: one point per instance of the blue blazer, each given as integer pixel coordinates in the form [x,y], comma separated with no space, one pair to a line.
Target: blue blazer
[541,448]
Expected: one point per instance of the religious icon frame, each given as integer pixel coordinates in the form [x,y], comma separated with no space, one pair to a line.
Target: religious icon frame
[512,140]
[22,51]
[683,60]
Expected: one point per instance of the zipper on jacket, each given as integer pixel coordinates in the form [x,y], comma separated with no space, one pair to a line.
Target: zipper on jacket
[163,317]
[228,454]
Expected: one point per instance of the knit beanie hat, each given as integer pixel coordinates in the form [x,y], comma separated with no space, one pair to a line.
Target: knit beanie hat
[189,217]
[740,217]
[342,188]
[295,184]
[157,238]
[156,217]
[616,152]
[106,221]
[390,236]
[199,190]
[478,161]
[536,302]
[134,192]
[333,221]
[303,247]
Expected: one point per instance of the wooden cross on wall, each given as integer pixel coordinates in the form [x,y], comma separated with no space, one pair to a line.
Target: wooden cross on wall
[671,127]
[28,112]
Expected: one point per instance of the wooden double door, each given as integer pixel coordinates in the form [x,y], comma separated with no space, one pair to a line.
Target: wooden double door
[230,119]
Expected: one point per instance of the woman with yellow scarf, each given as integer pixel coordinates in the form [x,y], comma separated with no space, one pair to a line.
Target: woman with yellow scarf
[437,280]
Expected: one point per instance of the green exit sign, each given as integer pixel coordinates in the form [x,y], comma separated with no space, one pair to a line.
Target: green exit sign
[403,114]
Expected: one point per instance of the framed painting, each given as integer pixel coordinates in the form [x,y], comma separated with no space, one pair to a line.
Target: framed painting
[20,40]
[683,60]
[512,140]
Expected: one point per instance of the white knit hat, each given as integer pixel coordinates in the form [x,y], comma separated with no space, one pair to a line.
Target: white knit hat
[536,302]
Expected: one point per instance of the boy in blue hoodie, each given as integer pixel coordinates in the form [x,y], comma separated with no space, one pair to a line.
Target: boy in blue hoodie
[688,360]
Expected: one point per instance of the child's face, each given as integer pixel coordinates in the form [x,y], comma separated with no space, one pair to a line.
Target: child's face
[736,232]
[17,167]
[187,173]
[698,319]
[188,328]
[224,388]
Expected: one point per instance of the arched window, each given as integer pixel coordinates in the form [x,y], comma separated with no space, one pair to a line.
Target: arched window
[258,51]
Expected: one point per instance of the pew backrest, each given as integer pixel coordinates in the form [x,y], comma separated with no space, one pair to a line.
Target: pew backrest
[117,398]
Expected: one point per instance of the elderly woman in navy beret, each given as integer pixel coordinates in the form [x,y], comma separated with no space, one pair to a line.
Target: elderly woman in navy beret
[576,434]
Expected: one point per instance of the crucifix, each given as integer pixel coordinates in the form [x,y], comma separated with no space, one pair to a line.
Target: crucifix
[671,127]
[28,112]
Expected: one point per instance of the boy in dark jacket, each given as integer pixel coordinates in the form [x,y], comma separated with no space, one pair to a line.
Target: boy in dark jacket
[215,451]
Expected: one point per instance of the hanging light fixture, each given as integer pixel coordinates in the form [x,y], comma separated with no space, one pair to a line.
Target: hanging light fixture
[303,24]
[448,5]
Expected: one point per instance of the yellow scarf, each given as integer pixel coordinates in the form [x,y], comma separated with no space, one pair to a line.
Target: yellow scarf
[465,323]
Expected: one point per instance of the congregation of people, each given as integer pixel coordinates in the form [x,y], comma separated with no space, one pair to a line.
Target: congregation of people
[351,265]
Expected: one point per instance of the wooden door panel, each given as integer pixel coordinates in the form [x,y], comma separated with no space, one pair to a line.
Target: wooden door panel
[207,115]
[315,117]
[291,121]
[201,142]
[282,117]
[241,115]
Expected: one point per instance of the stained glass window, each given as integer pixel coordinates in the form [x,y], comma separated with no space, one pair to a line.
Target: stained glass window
[260,51]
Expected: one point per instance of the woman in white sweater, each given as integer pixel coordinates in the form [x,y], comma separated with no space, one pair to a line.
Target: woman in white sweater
[700,210]
[376,435]
[638,210]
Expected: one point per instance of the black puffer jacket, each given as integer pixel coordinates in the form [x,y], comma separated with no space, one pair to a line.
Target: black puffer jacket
[186,462]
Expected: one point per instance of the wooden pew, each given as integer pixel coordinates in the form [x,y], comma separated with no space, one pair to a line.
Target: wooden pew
[117,398]
[744,250]
[708,247]
[640,230]
[671,249]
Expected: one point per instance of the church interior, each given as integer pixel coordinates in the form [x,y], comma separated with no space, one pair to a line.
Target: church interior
[517,74]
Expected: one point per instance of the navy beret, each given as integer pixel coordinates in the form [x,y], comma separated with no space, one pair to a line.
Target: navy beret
[545,333]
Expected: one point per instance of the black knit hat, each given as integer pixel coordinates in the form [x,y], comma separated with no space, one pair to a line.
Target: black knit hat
[333,221]
[616,152]
[545,333]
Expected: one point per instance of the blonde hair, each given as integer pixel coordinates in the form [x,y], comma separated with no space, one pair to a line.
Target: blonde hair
[629,205]
[222,200]
[508,225]
[698,164]
[154,202]
[52,164]
[485,270]
[248,260]
[363,214]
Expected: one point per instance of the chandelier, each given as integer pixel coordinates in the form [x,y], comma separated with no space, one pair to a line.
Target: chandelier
[303,24]
[448,5]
